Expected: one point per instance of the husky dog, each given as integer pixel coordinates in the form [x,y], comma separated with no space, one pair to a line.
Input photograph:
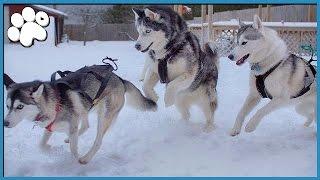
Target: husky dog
[275,74]
[176,59]
[61,110]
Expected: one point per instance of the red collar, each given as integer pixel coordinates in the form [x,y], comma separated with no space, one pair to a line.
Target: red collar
[58,108]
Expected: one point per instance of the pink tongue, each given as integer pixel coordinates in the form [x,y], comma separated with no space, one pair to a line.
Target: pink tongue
[240,61]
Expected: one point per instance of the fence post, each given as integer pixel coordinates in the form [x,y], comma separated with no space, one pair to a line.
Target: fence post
[268,13]
[210,16]
[203,18]
[175,8]
[311,12]
[260,11]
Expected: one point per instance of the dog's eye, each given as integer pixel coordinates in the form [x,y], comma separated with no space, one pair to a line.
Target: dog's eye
[244,43]
[20,106]
[148,31]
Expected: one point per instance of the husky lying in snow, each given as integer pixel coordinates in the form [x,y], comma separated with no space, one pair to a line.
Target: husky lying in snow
[56,107]
[275,74]
[176,59]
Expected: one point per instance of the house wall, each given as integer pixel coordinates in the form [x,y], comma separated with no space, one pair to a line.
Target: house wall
[6,23]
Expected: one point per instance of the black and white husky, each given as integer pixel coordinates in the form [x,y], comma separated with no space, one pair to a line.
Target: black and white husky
[176,59]
[275,73]
[60,109]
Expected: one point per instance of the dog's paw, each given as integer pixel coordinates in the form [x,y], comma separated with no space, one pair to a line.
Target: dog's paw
[235,131]
[45,147]
[168,99]
[307,123]
[250,127]
[208,128]
[83,160]
[154,97]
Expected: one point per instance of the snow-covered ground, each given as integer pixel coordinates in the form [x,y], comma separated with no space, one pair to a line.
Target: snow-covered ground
[160,143]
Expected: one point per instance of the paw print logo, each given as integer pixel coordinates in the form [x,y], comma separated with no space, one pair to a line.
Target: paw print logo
[28,26]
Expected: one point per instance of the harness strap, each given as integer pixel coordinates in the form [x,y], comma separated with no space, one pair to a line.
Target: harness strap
[61,74]
[260,82]
[306,89]
[103,85]
[104,81]
[162,63]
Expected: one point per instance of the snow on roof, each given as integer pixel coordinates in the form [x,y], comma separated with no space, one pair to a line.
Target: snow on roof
[273,24]
[51,10]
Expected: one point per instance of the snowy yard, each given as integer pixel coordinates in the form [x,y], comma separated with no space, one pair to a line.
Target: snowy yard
[160,143]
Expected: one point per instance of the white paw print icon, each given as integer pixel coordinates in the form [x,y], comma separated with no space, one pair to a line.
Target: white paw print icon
[29,30]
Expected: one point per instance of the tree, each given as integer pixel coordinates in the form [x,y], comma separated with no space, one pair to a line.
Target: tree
[119,14]
[90,19]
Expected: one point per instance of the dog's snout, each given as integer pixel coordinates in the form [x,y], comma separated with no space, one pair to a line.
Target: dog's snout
[138,47]
[6,123]
[231,57]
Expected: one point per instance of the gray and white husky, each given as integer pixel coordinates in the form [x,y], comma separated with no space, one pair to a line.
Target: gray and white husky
[176,59]
[275,73]
[62,110]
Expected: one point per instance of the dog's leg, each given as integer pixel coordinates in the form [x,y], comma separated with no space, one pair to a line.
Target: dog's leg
[208,109]
[83,128]
[268,108]
[306,109]
[149,83]
[145,68]
[183,106]
[249,104]
[104,122]
[44,141]
[180,83]
[73,136]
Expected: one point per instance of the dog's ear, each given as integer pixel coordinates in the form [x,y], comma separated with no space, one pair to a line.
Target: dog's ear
[257,24]
[137,12]
[7,80]
[152,15]
[241,24]
[38,92]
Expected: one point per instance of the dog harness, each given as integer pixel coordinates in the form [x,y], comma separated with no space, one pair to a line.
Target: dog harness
[260,85]
[67,81]
[68,77]
[162,63]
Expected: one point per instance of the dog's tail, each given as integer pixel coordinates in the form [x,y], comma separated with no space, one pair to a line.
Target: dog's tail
[135,98]
[213,54]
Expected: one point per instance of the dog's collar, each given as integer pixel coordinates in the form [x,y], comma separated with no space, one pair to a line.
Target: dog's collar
[58,108]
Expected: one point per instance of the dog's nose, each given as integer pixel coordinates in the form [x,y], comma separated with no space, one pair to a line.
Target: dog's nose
[138,47]
[6,123]
[231,57]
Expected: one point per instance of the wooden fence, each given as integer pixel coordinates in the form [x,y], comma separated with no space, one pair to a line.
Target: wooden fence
[288,13]
[294,34]
[102,32]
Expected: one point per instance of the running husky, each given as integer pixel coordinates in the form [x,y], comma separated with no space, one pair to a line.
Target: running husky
[275,74]
[56,107]
[177,60]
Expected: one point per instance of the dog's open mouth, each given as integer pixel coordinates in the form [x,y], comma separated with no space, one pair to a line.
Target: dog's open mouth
[146,49]
[242,60]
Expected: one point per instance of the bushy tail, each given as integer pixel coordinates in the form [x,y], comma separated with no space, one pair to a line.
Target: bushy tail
[213,54]
[136,99]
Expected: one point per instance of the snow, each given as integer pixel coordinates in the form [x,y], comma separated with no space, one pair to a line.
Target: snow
[271,24]
[159,143]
